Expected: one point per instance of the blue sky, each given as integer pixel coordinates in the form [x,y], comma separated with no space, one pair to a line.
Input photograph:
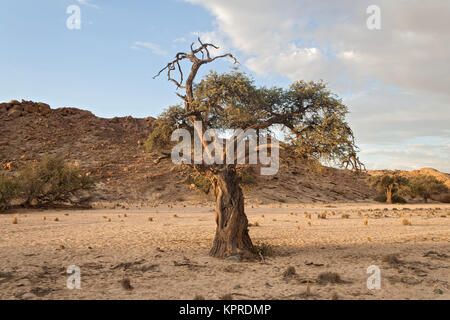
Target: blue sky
[394,80]
[95,67]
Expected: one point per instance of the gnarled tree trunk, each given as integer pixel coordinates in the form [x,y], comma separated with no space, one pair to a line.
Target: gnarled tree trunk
[232,225]
[389,194]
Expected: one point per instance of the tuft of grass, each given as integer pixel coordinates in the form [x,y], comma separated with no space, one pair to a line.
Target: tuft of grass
[62,247]
[406,222]
[309,223]
[391,259]
[307,215]
[175,215]
[126,284]
[366,221]
[329,277]
[227,296]
[369,239]
[56,219]
[299,227]
[289,272]
[322,215]
[150,219]
[265,249]
[345,216]
[44,218]
[15,220]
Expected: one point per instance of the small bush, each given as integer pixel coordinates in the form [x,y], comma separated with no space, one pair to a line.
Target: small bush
[265,249]
[322,215]
[200,182]
[329,277]
[52,180]
[406,222]
[8,190]
[395,199]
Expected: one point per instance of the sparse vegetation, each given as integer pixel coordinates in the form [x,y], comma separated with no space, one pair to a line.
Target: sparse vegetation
[425,186]
[329,277]
[52,180]
[265,249]
[406,222]
[8,190]
[388,184]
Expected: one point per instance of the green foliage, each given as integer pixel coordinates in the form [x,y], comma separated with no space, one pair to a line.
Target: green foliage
[425,186]
[395,199]
[388,185]
[200,182]
[8,190]
[312,118]
[265,249]
[51,180]
[162,128]
[246,177]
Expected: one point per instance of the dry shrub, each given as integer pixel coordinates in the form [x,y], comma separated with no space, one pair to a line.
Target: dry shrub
[406,222]
[391,259]
[289,272]
[265,249]
[345,216]
[322,215]
[329,277]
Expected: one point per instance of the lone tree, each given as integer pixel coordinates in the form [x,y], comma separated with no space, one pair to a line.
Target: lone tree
[425,186]
[388,184]
[312,118]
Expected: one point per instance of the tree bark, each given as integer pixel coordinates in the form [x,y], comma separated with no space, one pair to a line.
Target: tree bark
[389,195]
[232,236]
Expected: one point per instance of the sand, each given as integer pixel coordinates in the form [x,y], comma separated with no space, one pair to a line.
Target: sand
[167,258]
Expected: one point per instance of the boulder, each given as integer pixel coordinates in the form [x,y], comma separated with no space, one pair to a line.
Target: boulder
[3,107]
[31,108]
[14,113]
[43,108]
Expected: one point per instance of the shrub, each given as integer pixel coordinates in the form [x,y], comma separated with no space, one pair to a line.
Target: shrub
[51,180]
[425,186]
[200,182]
[395,199]
[388,185]
[8,190]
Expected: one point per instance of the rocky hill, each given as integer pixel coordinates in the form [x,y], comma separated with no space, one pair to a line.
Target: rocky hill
[112,151]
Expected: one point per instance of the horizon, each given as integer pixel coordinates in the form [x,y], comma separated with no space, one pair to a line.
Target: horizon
[394,80]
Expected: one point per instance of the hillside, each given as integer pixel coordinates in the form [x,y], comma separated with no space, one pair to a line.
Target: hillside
[112,151]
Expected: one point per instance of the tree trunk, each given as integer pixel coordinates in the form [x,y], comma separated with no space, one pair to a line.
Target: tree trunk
[232,225]
[389,195]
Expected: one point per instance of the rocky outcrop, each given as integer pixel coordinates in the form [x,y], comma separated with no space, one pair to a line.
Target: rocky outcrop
[15,109]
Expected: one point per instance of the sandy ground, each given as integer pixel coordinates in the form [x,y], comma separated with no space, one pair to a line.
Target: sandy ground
[167,258]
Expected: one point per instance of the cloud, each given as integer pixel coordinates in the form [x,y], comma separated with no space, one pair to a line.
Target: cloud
[394,80]
[154,48]
[88,4]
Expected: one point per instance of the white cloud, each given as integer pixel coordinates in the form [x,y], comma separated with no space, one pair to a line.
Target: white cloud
[154,48]
[395,80]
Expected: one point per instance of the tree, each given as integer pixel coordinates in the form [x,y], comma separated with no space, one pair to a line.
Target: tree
[425,186]
[312,118]
[8,190]
[388,184]
[51,180]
